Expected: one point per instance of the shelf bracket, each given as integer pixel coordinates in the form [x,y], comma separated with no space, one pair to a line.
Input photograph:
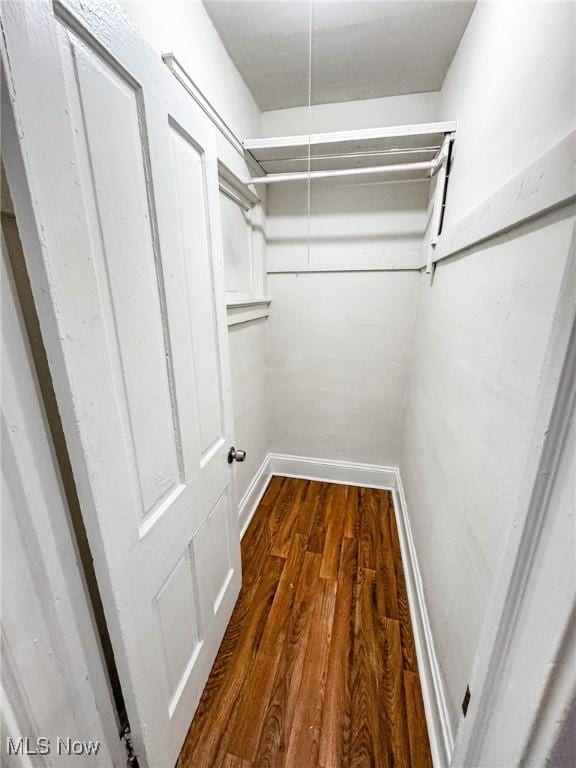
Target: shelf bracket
[441,163]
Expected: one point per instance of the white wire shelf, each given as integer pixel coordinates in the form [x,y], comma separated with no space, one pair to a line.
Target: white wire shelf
[411,152]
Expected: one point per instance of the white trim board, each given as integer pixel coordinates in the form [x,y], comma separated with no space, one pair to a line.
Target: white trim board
[245,311]
[333,471]
[375,476]
[440,731]
[207,107]
[184,78]
[543,186]
[248,504]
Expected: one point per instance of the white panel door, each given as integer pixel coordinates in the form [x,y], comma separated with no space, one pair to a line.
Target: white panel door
[119,219]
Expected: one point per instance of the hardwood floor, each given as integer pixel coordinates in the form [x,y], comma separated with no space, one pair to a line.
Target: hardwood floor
[317,668]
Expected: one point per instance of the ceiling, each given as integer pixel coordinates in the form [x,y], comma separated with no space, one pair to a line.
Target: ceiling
[360,50]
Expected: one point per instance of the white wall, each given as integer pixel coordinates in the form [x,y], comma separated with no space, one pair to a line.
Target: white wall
[352,225]
[183,27]
[482,328]
[511,88]
[236,236]
[250,398]
[338,340]
[338,350]
[480,340]
[350,115]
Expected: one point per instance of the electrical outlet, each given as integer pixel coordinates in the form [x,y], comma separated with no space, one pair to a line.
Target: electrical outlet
[466,700]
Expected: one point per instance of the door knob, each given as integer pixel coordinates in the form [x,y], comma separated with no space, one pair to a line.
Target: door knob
[236,455]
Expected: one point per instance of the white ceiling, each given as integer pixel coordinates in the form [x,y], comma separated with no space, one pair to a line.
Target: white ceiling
[360,50]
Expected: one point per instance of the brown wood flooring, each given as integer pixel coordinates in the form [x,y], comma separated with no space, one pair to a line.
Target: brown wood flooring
[317,668]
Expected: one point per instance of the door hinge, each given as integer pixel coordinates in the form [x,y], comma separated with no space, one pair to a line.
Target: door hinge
[132,760]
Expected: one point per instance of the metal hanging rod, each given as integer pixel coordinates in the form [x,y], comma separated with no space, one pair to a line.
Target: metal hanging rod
[354,155]
[242,201]
[273,178]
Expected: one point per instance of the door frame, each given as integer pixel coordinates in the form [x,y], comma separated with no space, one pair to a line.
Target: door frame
[63,579]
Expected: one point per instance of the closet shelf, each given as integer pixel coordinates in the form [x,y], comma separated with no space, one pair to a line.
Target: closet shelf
[400,153]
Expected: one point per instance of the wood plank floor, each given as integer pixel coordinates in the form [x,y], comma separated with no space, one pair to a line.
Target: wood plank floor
[317,668]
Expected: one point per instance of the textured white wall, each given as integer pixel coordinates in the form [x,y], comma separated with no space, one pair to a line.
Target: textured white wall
[479,346]
[352,224]
[338,341]
[185,29]
[483,326]
[338,348]
[511,88]
[250,398]
[350,115]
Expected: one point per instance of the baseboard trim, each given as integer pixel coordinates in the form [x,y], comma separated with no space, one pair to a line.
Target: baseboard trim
[333,471]
[375,476]
[249,502]
[439,727]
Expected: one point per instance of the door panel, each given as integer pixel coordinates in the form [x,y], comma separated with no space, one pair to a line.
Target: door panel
[190,183]
[126,268]
[116,191]
[212,559]
[179,628]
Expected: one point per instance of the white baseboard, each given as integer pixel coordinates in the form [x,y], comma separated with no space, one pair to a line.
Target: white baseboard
[375,476]
[332,471]
[440,730]
[249,502]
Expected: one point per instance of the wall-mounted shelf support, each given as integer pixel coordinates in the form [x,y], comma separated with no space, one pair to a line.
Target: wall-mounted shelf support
[439,201]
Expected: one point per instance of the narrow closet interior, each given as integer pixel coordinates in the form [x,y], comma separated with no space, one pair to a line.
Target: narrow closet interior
[301,277]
